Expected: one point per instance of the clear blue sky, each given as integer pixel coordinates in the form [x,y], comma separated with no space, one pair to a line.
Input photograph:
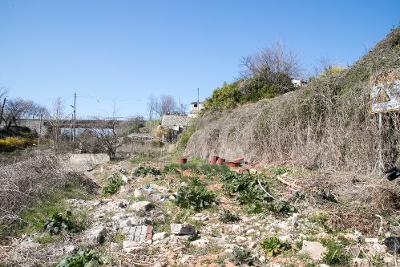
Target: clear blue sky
[123,51]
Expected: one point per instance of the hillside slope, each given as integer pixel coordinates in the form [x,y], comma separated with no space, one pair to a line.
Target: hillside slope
[325,124]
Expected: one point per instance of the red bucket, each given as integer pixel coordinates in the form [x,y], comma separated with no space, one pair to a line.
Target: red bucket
[213,160]
[183,160]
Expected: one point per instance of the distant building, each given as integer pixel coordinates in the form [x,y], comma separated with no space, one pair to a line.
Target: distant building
[175,124]
[195,108]
[298,82]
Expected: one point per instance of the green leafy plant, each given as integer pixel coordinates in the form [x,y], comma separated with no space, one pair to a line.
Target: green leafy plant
[83,258]
[336,254]
[195,197]
[273,246]
[144,171]
[241,256]
[113,185]
[227,216]
[279,170]
[59,222]
[281,207]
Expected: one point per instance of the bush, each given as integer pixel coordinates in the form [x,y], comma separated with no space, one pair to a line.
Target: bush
[273,246]
[10,144]
[335,254]
[245,187]
[144,171]
[83,258]
[227,216]
[241,256]
[228,96]
[195,197]
[113,185]
[197,168]
[59,222]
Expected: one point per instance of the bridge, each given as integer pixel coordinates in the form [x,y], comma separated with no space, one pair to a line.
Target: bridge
[43,127]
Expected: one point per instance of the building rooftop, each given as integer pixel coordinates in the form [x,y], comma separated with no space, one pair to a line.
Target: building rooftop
[173,121]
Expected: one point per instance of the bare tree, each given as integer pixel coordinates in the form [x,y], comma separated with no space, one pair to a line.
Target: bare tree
[56,120]
[107,138]
[274,65]
[3,93]
[166,104]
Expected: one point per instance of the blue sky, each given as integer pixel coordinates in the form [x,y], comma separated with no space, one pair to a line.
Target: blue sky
[124,51]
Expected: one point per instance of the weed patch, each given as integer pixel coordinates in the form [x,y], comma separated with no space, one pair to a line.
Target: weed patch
[144,171]
[273,246]
[195,197]
[227,217]
[336,254]
[84,258]
[113,185]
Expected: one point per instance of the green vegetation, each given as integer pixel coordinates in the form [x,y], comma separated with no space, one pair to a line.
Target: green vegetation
[144,171]
[59,222]
[273,246]
[184,138]
[197,167]
[227,217]
[336,254]
[195,196]
[245,187]
[84,258]
[279,170]
[113,184]
[34,217]
[10,144]
[228,96]
[241,256]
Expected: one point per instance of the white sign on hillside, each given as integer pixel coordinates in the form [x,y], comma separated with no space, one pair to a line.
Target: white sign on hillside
[386,98]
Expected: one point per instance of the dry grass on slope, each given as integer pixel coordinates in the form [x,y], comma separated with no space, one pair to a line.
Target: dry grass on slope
[327,124]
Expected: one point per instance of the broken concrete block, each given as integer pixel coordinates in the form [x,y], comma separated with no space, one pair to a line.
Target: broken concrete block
[182,229]
[139,234]
[314,249]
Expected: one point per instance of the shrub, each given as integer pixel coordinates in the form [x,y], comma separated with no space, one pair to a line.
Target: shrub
[227,216]
[195,197]
[241,256]
[273,246]
[281,207]
[83,258]
[246,187]
[228,96]
[335,254]
[144,171]
[10,144]
[59,222]
[113,185]
[280,170]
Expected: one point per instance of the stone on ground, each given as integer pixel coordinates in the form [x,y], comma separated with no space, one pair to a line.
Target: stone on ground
[314,249]
[182,229]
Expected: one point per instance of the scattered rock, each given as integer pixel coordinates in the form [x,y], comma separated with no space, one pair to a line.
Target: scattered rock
[159,236]
[143,206]
[200,217]
[137,193]
[314,249]
[124,178]
[130,246]
[182,229]
[95,235]
[200,243]
[392,243]
[357,262]
[123,205]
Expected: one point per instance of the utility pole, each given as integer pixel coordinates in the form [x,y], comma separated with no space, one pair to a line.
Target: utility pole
[2,110]
[198,100]
[74,120]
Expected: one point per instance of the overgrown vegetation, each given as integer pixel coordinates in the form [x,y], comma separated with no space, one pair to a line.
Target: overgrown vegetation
[59,222]
[113,185]
[336,254]
[84,258]
[228,217]
[241,256]
[10,144]
[146,170]
[195,196]
[273,246]
[326,124]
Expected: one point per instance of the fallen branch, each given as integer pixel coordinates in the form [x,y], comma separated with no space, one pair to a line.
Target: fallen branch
[295,187]
[266,192]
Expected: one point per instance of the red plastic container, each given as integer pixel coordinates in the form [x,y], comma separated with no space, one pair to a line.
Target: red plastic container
[213,160]
[183,160]
[232,164]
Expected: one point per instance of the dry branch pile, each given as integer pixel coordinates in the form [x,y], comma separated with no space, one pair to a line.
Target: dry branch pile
[28,180]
